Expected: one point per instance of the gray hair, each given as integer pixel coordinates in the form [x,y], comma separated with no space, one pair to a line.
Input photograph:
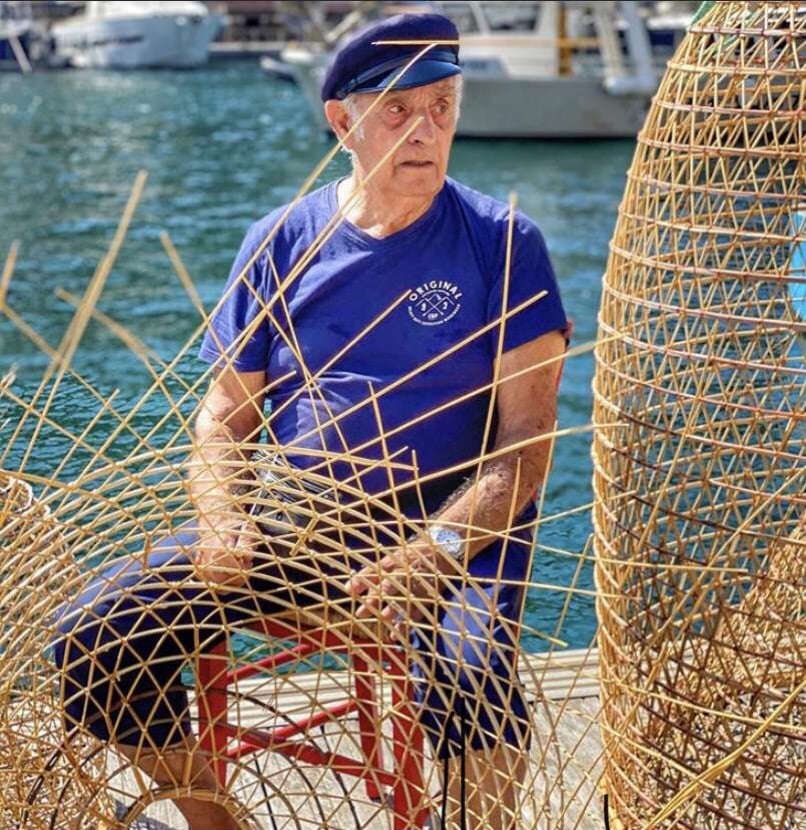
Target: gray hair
[350,104]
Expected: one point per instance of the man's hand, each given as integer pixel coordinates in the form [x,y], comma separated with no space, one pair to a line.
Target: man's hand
[405,585]
[224,553]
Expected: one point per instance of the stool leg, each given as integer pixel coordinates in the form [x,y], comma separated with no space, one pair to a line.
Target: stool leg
[368,725]
[212,704]
[408,797]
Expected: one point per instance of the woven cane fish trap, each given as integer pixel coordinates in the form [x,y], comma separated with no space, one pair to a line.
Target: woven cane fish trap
[699,456]
[129,685]
[76,578]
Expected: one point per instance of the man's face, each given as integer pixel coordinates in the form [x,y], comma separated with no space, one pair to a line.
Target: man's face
[419,165]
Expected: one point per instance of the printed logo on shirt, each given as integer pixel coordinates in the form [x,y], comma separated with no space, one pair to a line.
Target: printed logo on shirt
[434,302]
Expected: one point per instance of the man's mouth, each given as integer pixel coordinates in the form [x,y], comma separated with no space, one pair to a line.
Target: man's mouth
[416,164]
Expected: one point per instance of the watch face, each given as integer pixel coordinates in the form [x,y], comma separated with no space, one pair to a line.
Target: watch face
[449,541]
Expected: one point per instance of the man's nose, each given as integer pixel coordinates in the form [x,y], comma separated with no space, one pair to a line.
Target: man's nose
[426,131]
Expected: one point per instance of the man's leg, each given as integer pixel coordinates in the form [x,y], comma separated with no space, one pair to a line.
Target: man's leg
[185,766]
[492,783]
[121,648]
[473,705]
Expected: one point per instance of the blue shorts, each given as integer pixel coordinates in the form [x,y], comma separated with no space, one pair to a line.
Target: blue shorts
[123,643]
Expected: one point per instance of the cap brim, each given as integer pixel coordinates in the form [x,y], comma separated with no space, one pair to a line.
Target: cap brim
[421,73]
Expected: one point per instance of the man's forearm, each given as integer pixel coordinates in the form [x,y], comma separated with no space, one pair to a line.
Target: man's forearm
[486,507]
[214,470]
[526,406]
[231,414]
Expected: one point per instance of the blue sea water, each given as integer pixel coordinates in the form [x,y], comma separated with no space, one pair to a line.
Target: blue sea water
[222,146]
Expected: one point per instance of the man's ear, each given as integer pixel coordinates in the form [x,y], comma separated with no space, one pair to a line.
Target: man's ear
[338,118]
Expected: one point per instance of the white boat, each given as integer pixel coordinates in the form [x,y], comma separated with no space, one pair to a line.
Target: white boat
[130,35]
[24,43]
[584,70]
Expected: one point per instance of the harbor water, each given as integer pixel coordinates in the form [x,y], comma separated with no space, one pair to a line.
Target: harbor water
[223,146]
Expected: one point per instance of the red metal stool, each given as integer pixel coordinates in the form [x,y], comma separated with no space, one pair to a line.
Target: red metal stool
[226,742]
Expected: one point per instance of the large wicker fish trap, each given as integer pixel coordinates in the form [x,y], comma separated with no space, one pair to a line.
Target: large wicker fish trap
[112,715]
[699,457]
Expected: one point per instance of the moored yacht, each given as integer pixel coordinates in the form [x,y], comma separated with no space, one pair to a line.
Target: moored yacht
[129,35]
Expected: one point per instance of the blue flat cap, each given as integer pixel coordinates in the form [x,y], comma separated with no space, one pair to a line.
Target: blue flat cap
[362,66]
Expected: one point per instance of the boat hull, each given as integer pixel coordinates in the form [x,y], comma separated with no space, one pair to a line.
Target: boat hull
[573,107]
[162,40]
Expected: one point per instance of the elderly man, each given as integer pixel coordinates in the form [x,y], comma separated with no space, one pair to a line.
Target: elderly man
[407,231]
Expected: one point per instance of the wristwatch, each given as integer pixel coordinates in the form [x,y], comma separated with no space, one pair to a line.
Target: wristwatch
[450,543]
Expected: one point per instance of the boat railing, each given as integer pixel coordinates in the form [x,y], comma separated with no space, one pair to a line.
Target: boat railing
[627,71]
[586,56]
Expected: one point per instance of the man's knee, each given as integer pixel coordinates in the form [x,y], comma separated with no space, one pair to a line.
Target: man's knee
[92,648]
[90,621]
[79,669]
[77,630]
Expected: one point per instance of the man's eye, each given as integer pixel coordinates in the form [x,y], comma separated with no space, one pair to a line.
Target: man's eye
[396,109]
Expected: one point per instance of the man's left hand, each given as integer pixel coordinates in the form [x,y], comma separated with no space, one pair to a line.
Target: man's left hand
[405,585]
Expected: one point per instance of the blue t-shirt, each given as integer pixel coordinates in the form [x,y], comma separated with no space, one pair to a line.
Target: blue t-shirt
[448,267]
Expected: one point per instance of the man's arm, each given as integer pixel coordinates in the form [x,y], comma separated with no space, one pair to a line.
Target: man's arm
[526,406]
[230,415]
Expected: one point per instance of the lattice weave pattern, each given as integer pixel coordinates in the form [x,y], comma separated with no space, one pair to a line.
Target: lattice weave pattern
[699,459]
